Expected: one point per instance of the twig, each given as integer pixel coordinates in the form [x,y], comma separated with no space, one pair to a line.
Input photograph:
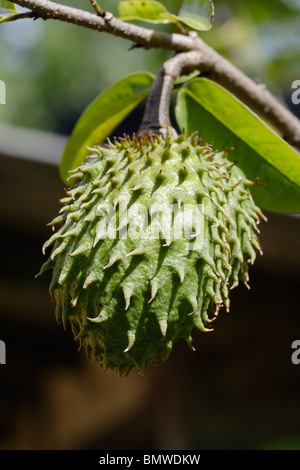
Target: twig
[180,28]
[19,16]
[205,59]
[97,8]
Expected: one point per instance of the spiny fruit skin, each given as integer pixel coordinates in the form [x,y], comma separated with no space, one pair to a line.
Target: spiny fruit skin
[129,298]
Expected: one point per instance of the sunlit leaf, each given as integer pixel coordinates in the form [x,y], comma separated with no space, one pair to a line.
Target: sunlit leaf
[145,10]
[221,119]
[102,116]
[9,6]
[8,10]
[197,14]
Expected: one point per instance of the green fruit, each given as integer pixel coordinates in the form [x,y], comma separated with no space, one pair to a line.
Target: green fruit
[153,235]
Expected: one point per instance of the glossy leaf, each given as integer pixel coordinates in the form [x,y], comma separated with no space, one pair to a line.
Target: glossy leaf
[222,119]
[145,10]
[8,9]
[102,116]
[8,6]
[197,14]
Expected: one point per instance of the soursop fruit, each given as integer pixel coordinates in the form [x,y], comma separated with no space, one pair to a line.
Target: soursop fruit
[152,237]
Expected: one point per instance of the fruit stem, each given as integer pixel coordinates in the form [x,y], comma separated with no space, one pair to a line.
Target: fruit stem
[156,118]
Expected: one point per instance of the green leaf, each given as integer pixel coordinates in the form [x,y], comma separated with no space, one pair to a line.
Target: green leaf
[8,6]
[8,9]
[197,14]
[102,116]
[145,10]
[222,119]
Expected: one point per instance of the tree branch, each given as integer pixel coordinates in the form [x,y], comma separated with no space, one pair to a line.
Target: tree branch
[202,57]
[148,38]
[255,95]
[223,72]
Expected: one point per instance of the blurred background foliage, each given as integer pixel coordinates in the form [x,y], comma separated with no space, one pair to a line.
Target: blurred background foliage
[53,70]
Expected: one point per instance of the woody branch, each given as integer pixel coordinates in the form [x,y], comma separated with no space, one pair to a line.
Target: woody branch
[202,57]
